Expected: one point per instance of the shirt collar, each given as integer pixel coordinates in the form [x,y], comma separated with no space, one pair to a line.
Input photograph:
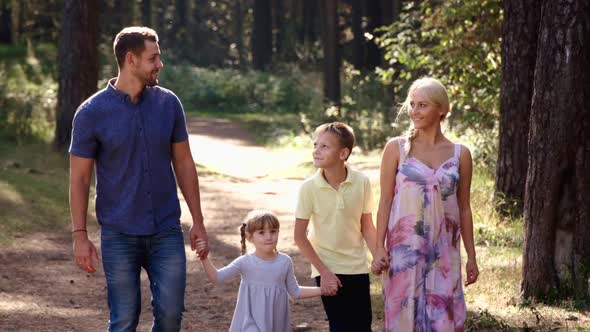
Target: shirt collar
[319,179]
[122,96]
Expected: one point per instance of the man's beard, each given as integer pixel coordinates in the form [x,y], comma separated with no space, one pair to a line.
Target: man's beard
[149,81]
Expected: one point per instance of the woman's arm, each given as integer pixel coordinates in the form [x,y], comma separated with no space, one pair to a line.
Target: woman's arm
[463,199]
[389,162]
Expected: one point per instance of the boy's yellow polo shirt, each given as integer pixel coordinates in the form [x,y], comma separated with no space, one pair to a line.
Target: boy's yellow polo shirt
[335,220]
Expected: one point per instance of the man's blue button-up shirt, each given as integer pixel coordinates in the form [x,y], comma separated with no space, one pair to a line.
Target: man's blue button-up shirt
[132,146]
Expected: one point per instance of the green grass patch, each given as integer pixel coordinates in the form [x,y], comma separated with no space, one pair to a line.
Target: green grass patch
[33,190]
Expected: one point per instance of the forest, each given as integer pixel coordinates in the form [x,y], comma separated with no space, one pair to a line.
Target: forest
[517,73]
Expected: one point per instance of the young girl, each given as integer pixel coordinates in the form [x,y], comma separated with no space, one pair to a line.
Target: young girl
[424,210]
[267,277]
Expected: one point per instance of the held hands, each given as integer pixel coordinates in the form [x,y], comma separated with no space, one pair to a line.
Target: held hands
[329,283]
[198,233]
[472,272]
[201,246]
[85,253]
[380,261]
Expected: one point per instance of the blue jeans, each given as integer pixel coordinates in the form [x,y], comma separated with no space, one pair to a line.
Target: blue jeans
[162,256]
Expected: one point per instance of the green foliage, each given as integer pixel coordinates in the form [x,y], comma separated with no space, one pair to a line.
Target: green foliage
[367,107]
[457,42]
[27,93]
[233,91]
[491,229]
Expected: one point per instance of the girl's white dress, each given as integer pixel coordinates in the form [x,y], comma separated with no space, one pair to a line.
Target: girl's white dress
[263,304]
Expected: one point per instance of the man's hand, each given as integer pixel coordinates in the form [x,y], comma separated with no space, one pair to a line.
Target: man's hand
[198,232]
[85,254]
[329,283]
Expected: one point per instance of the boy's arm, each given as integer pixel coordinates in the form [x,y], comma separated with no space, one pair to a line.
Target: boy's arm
[329,281]
[369,232]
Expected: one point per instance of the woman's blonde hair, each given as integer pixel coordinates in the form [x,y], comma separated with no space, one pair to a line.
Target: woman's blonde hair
[255,221]
[435,92]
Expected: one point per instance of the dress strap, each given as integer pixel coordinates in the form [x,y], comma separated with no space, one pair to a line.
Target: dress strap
[457,151]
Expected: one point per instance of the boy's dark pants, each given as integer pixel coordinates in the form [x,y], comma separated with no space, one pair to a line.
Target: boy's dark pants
[350,309]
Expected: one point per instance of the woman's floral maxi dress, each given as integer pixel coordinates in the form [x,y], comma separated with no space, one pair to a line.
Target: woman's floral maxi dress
[422,289]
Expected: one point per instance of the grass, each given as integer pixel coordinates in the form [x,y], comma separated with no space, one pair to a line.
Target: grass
[33,190]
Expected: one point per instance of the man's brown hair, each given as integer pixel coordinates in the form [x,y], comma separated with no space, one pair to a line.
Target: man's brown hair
[343,131]
[132,39]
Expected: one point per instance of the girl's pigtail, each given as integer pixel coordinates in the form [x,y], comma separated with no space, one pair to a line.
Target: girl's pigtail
[243,236]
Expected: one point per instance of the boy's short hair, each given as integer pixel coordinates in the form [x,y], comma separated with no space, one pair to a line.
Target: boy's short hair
[132,39]
[343,131]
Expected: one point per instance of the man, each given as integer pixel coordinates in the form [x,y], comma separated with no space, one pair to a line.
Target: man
[135,133]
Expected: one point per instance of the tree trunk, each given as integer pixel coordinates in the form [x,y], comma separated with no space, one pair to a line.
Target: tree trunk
[5,22]
[519,50]
[278,12]
[331,37]
[78,66]
[556,258]
[309,29]
[146,13]
[238,32]
[374,21]
[262,35]
[358,41]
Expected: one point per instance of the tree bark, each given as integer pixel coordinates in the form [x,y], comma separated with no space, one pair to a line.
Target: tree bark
[5,22]
[278,12]
[262,35]
[374,21]
[556,257]
[358,41]
[78,66]
[519,49]
[146,13]
[238,32]
[332,60]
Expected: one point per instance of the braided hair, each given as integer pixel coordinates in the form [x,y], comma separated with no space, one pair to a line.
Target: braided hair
[257,220]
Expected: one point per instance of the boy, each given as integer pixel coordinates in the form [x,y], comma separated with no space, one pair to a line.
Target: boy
[338,202]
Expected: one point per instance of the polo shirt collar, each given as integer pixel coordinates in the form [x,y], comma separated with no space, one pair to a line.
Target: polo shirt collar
[319,179]
[120,95]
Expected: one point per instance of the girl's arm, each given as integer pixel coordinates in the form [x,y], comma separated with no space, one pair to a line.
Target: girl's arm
[389,162]
[212,272]
[307,292]
[210,269]
[293,288]
[463,198]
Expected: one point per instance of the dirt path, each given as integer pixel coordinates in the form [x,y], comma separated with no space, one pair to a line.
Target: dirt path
[42,290]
